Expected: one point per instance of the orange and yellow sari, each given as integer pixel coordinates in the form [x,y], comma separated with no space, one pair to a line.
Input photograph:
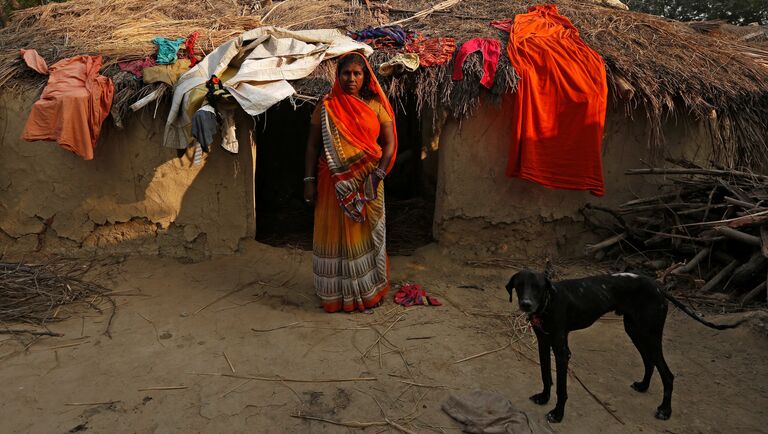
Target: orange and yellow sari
[349,262]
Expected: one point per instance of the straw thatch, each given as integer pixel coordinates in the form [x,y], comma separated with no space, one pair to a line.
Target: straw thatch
[667,66]
[116,29]
[671,68]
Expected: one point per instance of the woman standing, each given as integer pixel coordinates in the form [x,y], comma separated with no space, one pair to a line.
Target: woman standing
[355,130]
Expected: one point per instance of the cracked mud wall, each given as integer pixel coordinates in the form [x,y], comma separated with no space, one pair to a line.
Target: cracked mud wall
[490,214]
[134,197]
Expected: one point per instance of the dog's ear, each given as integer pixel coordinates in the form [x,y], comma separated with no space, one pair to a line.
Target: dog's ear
[511,285]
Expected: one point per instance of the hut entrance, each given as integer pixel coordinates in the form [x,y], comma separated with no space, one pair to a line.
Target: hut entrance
[282,218]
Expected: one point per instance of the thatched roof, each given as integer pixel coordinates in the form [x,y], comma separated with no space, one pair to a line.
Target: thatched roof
[670,67]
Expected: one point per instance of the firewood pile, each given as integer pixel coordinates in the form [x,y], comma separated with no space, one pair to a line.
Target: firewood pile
[706,231]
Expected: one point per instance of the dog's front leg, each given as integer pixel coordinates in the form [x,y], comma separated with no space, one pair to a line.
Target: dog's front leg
[545,363]
[562,354]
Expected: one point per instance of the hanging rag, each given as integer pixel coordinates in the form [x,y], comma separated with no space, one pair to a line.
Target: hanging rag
[168,74]
[34,61]
[485,412]
[136,67]
[254,68]
[384,37]
[167,49]
[490,48]
[433,51]
[197,157]
[504,25]
[559,109]
[399,63]
[205,125]
[189,46]
[414,294]
[229,133]
[73,105]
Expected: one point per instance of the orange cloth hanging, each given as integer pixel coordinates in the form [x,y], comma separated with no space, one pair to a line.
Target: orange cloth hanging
[559,109]
[73,105]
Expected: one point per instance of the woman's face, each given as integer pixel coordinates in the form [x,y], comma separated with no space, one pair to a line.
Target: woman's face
[352,78]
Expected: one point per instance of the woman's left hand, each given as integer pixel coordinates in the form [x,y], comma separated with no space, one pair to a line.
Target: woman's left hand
[376,178]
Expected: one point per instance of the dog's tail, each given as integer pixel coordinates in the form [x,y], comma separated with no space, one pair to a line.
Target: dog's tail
[693,314]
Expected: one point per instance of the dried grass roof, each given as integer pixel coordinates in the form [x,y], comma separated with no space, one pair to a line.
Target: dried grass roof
[672,67]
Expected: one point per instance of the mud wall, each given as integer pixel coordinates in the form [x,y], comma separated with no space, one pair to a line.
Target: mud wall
[490,214]
[138,197]
[134,197]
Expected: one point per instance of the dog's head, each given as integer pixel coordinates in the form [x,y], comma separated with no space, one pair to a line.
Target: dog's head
[532,289]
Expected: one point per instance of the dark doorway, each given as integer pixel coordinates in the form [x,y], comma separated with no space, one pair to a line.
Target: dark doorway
[282,218]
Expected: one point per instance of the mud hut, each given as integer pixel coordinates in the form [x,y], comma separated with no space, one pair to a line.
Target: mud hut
[674,91]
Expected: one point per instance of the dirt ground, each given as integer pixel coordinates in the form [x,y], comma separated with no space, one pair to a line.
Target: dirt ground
[161,339]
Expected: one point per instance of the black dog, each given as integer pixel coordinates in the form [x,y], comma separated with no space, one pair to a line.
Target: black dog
[555,309]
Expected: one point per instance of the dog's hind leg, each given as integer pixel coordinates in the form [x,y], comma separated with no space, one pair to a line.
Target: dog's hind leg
[632,331]
[545,363]
[664,411]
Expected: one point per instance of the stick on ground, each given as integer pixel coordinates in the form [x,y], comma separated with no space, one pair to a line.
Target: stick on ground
[29,332]
[599,401]
[74,344]
[485,353]
[234,291]
[381,336]
[228,362]
[276,328]
[90,403]
[355,424]
[429,386]
[289,380]
[144,389]
[236,387]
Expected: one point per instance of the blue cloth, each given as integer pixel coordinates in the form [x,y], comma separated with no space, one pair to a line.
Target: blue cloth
[395,35]
[167,49]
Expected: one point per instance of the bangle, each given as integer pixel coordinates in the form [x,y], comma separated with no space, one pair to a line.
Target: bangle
[310,178]
[381,173]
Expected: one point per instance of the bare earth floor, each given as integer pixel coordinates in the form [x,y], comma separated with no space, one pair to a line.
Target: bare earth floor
[162,340]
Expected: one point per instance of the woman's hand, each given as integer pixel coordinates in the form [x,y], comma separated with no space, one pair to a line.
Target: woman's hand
[377,176]
[310,192]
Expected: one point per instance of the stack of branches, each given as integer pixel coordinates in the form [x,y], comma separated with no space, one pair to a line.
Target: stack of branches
[34,295]
[707,230]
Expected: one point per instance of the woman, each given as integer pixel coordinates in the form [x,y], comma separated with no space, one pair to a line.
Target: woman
[355,130]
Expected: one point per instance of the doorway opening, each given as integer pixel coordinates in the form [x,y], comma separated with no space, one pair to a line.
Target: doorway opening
[282,217]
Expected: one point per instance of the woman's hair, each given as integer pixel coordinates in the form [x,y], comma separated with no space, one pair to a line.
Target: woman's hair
[357,59]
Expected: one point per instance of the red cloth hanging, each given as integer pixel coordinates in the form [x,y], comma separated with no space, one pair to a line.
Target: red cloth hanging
[433,51]
[491,49]
[189,45]
[559,108]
